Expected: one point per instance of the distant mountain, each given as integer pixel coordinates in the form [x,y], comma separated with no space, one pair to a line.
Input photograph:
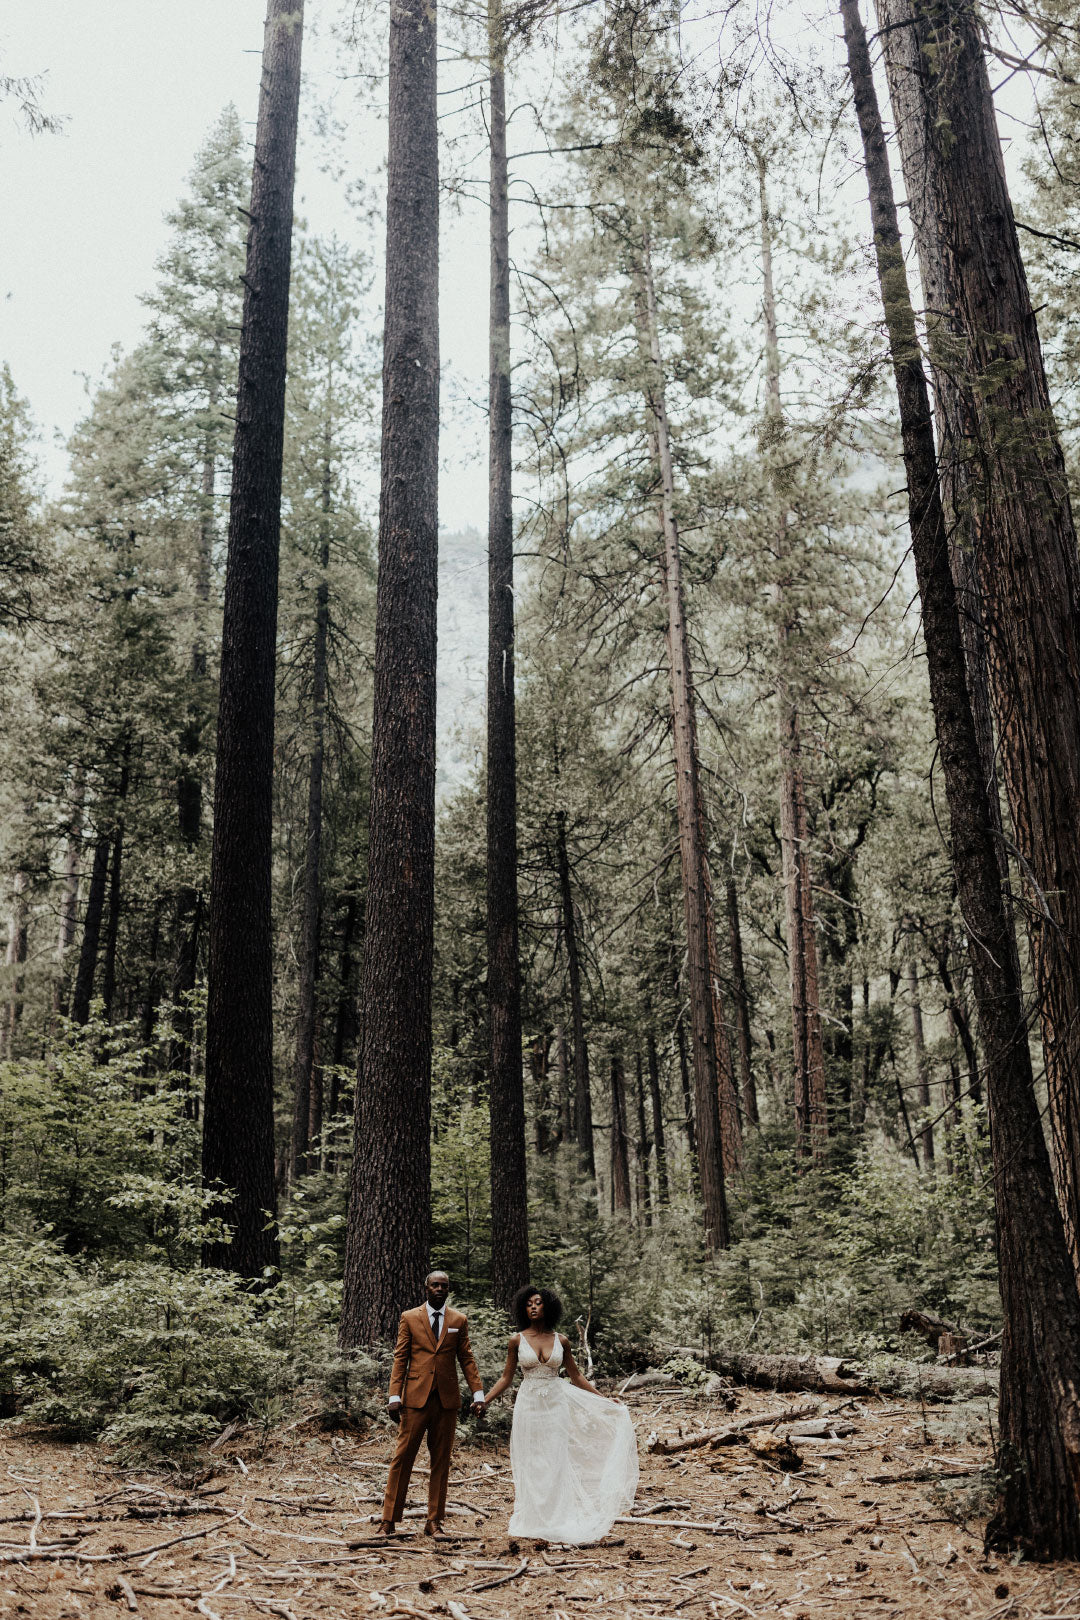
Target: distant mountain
[462,670]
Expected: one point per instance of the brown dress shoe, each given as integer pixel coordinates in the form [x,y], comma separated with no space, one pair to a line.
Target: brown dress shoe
[433,1527]
[386,1527]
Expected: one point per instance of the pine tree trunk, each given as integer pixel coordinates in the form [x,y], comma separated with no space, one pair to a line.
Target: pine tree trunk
[742,1006]
[189,902]
[238,1119]
[643,1193]
[657,1104]
[811,1118]
[112,926]
[730,1124]
[620,1154]
[388,1240]
[1028,568]
[687,1097]
[17,946]
[345,1016]
[562,1075]
[83,993]
[1039,1414]
[69,896]
[700,977]
[506,1097]
[922,1069]
[583,1128]
[304,1060]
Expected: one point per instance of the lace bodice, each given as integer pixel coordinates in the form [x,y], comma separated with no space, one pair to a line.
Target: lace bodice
[530,1363]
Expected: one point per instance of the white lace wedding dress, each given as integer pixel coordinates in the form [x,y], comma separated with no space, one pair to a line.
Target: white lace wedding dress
[573,1455]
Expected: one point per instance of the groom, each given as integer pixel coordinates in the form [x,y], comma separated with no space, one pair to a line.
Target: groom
[424,1398]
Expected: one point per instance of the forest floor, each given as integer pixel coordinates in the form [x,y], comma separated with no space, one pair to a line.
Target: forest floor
[873,1523]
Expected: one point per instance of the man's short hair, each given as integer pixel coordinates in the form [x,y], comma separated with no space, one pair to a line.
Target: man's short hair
[431,1274]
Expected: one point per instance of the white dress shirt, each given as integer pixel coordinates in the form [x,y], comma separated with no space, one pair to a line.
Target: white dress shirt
[478,1394]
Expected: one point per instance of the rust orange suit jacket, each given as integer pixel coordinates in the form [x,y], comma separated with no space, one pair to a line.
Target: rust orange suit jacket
[421,1365]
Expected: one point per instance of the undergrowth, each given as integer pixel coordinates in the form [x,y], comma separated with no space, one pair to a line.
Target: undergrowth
[109,1327]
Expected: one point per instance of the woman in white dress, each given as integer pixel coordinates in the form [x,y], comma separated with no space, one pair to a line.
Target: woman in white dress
[573,1453]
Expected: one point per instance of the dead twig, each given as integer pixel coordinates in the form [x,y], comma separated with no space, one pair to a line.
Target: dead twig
[502,1580]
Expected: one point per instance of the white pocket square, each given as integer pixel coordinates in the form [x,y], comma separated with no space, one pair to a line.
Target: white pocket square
[451,1330]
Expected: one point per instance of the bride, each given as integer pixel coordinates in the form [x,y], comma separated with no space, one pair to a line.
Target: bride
[573,1453]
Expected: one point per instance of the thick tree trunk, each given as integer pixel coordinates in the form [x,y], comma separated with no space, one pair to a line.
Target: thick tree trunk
[506,1097]
[811,1118]
[620,1154]
[700,978]
[922,1069]
[238,1120]
[583,1129]
[1017,493]
[83,992]
[742,1006]
[657,1103]
[1039,1413]
[389,1232]
[304,1060]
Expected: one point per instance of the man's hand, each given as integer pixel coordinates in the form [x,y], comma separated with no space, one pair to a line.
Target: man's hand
[394,1410]
[477,1408]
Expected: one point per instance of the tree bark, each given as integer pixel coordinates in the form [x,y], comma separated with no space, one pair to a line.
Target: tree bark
[742,1006]
[18,942]
[189,791]
[700,978]
[643,1191]
[922,1069]
[112,927]
[506,1096]
[69,897]
[811,1118]
[304,1060]
[562,1075]
[620,1155]
[583,1128]
[687,1096]
[1039,1411]
[83,992]
[657,1103]
[389,1230]
[238,1119]
[1027,562]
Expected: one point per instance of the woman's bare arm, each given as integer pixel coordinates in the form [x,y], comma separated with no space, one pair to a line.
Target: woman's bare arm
[573,1371]
[506,1377]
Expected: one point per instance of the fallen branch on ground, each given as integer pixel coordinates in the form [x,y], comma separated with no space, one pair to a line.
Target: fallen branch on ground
[729,1436]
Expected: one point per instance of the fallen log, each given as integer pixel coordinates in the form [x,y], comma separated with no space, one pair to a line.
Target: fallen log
[729,1436]
[834,1375]
[822,1375]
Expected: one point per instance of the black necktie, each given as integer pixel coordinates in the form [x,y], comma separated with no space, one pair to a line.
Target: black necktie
[435,1325]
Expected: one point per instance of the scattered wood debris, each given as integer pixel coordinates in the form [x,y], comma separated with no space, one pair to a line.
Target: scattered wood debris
[881,1519]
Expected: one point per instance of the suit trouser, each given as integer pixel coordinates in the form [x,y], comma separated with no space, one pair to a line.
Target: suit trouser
[439,1423]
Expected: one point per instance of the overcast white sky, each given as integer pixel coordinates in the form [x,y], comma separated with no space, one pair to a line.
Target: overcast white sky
[140,82]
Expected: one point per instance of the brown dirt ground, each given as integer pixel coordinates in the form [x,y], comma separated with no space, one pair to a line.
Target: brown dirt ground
[272,1527]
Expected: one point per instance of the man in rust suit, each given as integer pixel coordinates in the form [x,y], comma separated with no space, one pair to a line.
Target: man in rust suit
[424,1398]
